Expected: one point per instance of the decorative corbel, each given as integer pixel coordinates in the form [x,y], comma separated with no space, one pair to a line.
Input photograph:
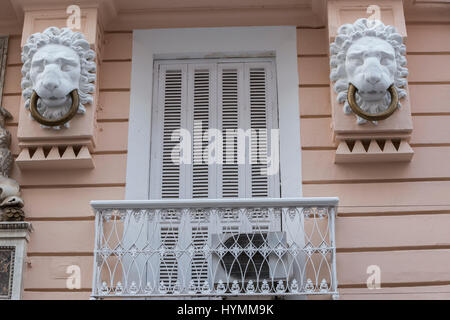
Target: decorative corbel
[370,108]
[57,127]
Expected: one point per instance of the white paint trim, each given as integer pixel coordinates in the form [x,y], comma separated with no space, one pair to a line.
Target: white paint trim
[16,236]
[213,43]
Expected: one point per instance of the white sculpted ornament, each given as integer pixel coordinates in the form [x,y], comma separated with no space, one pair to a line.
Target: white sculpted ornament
[57,62]
[11,204]
[371,57]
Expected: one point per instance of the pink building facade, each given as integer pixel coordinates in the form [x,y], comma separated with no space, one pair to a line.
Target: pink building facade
[345,205]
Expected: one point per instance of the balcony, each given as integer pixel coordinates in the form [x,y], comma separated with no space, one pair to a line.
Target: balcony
[214,248]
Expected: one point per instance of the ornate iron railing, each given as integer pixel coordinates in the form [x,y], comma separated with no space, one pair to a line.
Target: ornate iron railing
[169,248]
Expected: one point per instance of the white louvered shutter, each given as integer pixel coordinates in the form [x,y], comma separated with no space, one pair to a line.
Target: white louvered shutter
[223,96]
[201,109]
[196,97]
[257,96]
[170,111]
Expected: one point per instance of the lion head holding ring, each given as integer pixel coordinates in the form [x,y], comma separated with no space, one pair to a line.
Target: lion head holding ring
[368,65]
[57,76]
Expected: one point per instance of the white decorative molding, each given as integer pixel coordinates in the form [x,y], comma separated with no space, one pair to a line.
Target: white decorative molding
[14,237]
[189,43]
[55,62]
[10,202]
[55,158]
[372,57]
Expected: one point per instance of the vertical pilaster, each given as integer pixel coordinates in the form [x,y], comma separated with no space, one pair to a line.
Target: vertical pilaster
[75,144]
[370,141]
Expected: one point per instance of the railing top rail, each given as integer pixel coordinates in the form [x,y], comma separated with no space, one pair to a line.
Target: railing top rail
[215,203]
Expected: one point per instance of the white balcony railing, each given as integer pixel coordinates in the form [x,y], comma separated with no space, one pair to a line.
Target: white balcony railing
[223,247]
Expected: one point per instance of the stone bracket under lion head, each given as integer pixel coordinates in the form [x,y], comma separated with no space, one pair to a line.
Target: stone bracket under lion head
[368,67]
[58,76]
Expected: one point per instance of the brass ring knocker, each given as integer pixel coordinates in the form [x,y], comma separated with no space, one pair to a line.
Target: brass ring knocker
[54,122]
[372,116]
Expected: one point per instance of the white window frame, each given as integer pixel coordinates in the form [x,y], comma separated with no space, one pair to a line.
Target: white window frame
[158,117]
[194,43]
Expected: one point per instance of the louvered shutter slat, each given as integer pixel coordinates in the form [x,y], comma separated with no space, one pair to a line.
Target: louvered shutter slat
[172,82]
[257,77]
[201,88]
[229,82]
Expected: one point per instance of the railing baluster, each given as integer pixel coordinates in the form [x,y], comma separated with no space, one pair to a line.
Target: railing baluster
[98,232]
[332,214]
[215,248]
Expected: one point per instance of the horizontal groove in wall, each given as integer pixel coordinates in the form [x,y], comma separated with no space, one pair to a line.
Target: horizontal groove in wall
[374,180]
[314,85]
[414,114]
[429,114]
[107,120]
[390,214]
[323,85]
[429,145]
[400,206]
[315,116]
[11,94]
[325,55]
[50,186]
[319,55]
[308,28]
[117,60]
[14,64]
[396,285]
[190,9]
[428,83]
[386,249]
[57,290]
[118,31]
[378,292]
[426,23]
[318,148]
[115,90]
[109,152]
[413,145]
[60,254]
[435,53]
[56,219]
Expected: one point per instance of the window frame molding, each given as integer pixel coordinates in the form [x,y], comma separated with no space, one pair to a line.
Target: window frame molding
[193,43]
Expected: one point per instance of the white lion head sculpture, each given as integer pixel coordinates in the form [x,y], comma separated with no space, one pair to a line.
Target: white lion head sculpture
[371,56]
[55,62]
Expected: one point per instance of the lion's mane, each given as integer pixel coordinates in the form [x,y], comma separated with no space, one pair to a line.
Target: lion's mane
[347,35]
[73,40]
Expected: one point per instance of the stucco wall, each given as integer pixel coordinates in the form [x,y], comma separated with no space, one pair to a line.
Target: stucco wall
[392,215]
[395,216]
[57,202]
